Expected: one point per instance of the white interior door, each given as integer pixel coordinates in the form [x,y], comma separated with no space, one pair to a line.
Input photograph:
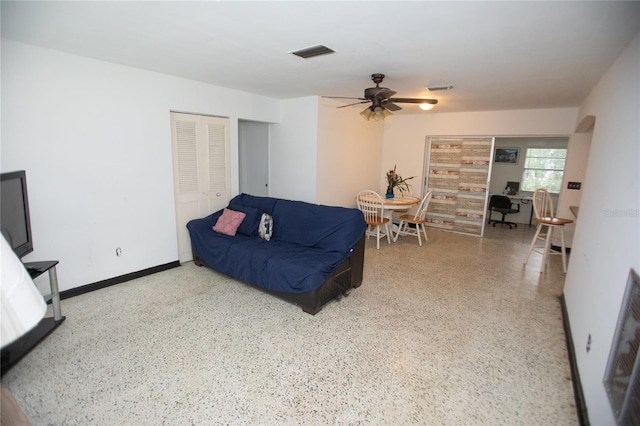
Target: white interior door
[201,171]
[253,157]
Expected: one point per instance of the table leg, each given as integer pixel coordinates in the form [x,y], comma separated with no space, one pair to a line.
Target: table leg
[55,294]
[531,215]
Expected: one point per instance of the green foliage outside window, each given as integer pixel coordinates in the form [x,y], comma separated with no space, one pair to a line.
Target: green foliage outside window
[543,168]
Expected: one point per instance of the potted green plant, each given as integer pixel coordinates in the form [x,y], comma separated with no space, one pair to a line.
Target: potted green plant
[394,180]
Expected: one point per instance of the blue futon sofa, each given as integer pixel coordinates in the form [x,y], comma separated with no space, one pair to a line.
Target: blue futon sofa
[315,253]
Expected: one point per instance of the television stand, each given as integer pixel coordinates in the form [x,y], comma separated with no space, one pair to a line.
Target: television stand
[15,351]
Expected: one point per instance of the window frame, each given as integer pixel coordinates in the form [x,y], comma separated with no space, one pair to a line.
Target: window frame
[527,156]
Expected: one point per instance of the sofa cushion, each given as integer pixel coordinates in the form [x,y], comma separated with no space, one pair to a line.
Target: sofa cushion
[281,266]
[264,204]
[326,228]
[229,222]
[273,265]
[249,225]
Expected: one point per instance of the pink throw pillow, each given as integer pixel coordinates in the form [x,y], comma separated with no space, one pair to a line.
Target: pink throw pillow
[229,221]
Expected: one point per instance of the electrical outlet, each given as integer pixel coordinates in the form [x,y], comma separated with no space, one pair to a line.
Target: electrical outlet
[588,343]
[118,252]
[574,185]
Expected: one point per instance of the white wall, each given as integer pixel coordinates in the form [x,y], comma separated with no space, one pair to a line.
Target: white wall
[503,173]
[294,142]
[349,154]
[607,237]
[95,140]
[575,170]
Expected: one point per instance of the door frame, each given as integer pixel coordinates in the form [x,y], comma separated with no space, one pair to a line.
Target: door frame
[242,149]
[206,198]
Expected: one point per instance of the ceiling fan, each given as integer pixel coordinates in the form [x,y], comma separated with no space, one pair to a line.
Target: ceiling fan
[381,101]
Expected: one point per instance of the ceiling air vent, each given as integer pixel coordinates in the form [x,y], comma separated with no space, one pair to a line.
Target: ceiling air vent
[310,52]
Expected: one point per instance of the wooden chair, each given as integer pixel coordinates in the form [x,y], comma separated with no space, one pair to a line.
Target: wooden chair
[396,213]
[371,204]
[545,216]
[419,220]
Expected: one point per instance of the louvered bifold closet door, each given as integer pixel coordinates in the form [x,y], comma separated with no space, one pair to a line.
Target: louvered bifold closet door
[458,176]
[201,171]
[186,155]
[217,137]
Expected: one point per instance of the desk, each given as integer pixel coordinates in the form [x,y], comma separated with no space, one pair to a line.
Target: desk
[517,199]
[523,199]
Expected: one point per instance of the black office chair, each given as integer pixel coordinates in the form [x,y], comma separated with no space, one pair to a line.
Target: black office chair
[502,204]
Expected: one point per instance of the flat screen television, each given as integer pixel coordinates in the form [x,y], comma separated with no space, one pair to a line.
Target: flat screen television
[14,212]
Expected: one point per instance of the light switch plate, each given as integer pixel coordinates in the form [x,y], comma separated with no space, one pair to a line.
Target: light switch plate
[574,185]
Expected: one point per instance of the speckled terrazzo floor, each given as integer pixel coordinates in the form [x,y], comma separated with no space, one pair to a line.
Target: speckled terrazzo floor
[456,332]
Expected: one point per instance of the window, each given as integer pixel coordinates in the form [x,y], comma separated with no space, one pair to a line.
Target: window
[543,168]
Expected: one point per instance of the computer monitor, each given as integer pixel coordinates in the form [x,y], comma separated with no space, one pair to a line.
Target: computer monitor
[514,188]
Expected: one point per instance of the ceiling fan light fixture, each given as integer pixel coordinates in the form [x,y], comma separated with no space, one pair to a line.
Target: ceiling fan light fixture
[367,113]
[375,113]
[382,102]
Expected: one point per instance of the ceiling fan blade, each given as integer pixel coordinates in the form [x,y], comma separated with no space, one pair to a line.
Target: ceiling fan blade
[355,103]
[379,92]
[343,97]
[391,107]
[413,101]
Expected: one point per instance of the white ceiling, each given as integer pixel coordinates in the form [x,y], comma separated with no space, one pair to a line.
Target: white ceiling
[498,55]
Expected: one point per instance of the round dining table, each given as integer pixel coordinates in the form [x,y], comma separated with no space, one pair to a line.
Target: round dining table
[402,202]
[396,203]
[399,203]
[389,205]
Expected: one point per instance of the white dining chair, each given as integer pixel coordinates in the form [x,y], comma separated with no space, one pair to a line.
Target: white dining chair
[371,204]
[547,220]
[418,220]
[399,212]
